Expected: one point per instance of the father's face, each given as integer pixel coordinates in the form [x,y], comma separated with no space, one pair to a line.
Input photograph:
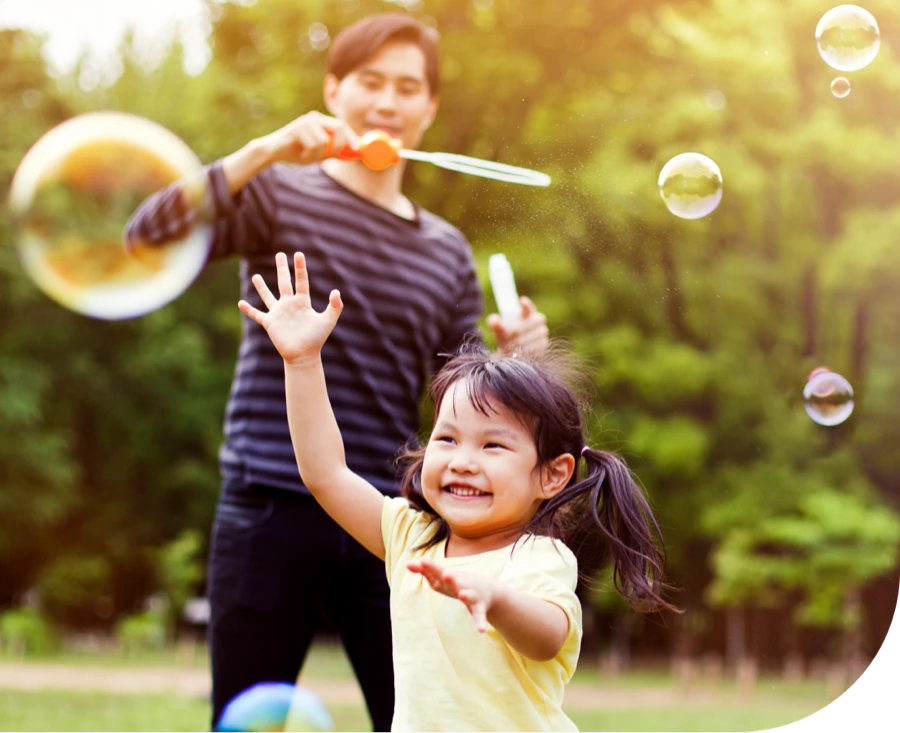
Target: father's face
[388,92]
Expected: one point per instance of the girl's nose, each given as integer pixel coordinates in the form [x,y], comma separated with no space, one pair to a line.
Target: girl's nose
[462,462]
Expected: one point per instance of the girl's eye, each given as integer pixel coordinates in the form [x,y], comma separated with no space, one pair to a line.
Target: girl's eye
[442,439]
[494,445]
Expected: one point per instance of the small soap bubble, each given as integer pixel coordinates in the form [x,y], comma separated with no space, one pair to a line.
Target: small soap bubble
[70,199]
[690,185]
[840,87]
[275,706]
[848,38]
[827,397]
[318,36]
[715,100]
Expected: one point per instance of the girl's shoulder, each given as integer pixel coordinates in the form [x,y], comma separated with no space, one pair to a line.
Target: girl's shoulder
[547,555]
[402,526]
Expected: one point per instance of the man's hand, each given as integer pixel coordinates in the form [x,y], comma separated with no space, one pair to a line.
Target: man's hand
[309,139]
[296,330]
[529,334]
[478,592]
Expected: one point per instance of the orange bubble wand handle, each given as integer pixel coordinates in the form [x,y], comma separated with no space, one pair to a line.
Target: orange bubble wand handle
[377,150]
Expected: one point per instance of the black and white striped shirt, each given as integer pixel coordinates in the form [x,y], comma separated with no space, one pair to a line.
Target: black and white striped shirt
[410,293]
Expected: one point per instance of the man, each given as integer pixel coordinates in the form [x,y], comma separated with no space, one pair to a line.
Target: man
[408,280]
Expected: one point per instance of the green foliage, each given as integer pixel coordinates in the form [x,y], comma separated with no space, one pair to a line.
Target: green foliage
[141,632]
[179,565]
[73,583]
[830,543]
[23,631]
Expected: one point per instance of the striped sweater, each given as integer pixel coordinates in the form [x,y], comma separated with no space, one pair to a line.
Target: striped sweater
[410,294]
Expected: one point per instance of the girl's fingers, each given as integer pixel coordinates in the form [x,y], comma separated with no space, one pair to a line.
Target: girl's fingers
[476,607]
[479,613]
[450,584]
[252,313]
[285,289]
[301,277]
[264,292]
[335,306]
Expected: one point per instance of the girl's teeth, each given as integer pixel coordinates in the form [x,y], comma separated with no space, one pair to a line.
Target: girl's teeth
[464,492]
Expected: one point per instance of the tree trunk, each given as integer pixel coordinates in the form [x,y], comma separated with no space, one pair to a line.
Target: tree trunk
[735,648]
[852,652]
[808,309]
[746,677]
[620,651]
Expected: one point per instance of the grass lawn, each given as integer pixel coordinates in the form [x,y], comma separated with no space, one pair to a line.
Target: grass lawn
[685,718]
[774,704]
[52,710]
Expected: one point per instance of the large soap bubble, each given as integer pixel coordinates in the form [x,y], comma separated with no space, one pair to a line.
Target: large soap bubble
[70,199]
[848,38]
[690,185]
[275,706]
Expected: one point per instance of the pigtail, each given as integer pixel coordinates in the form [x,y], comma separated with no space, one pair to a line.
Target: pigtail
[608,498]
[620,510]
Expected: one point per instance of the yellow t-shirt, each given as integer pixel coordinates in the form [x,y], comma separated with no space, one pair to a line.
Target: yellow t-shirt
[450,677]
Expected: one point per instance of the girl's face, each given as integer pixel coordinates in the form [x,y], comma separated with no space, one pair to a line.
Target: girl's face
[480,471]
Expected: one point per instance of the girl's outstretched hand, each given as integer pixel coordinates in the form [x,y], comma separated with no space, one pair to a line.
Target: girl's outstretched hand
[478,592]
[295,328]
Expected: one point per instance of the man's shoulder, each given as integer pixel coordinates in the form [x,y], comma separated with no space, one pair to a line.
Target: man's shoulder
[297,177]
[436,227]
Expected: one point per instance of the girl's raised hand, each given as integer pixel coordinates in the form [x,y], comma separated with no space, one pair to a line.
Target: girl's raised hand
[476,591]
[296,329]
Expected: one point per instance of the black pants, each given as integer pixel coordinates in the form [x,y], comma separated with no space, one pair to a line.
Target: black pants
[277,561]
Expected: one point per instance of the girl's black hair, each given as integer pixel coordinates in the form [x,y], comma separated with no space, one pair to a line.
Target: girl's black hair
[605,496]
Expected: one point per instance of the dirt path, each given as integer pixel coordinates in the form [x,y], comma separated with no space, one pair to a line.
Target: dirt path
[196,683]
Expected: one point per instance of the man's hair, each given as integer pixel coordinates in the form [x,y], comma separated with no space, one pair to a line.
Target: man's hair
[359,42]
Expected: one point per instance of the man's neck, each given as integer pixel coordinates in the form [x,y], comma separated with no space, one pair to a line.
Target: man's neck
[382,188]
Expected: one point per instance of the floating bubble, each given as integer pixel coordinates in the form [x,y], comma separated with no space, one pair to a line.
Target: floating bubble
[840,87]
[827,397]
[715,100]
[690,185]
[848,38]
[275,706]
[70,199]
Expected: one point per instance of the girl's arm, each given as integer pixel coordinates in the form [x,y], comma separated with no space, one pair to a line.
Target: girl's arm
[298,332]
[534,627]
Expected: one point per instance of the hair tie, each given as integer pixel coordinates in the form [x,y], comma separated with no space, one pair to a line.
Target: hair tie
[583,450]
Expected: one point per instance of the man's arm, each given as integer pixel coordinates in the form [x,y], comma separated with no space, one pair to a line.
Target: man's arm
[307,139]
[169,214]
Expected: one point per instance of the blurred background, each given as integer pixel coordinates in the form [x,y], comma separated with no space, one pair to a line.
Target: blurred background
[782,535]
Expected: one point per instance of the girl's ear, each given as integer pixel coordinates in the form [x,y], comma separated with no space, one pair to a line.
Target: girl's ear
[556,474]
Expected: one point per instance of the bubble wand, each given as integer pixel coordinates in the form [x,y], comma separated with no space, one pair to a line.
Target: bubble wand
[504,286]
[378,150]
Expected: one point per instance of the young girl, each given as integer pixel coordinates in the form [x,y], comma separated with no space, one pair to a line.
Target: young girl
[494,640]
